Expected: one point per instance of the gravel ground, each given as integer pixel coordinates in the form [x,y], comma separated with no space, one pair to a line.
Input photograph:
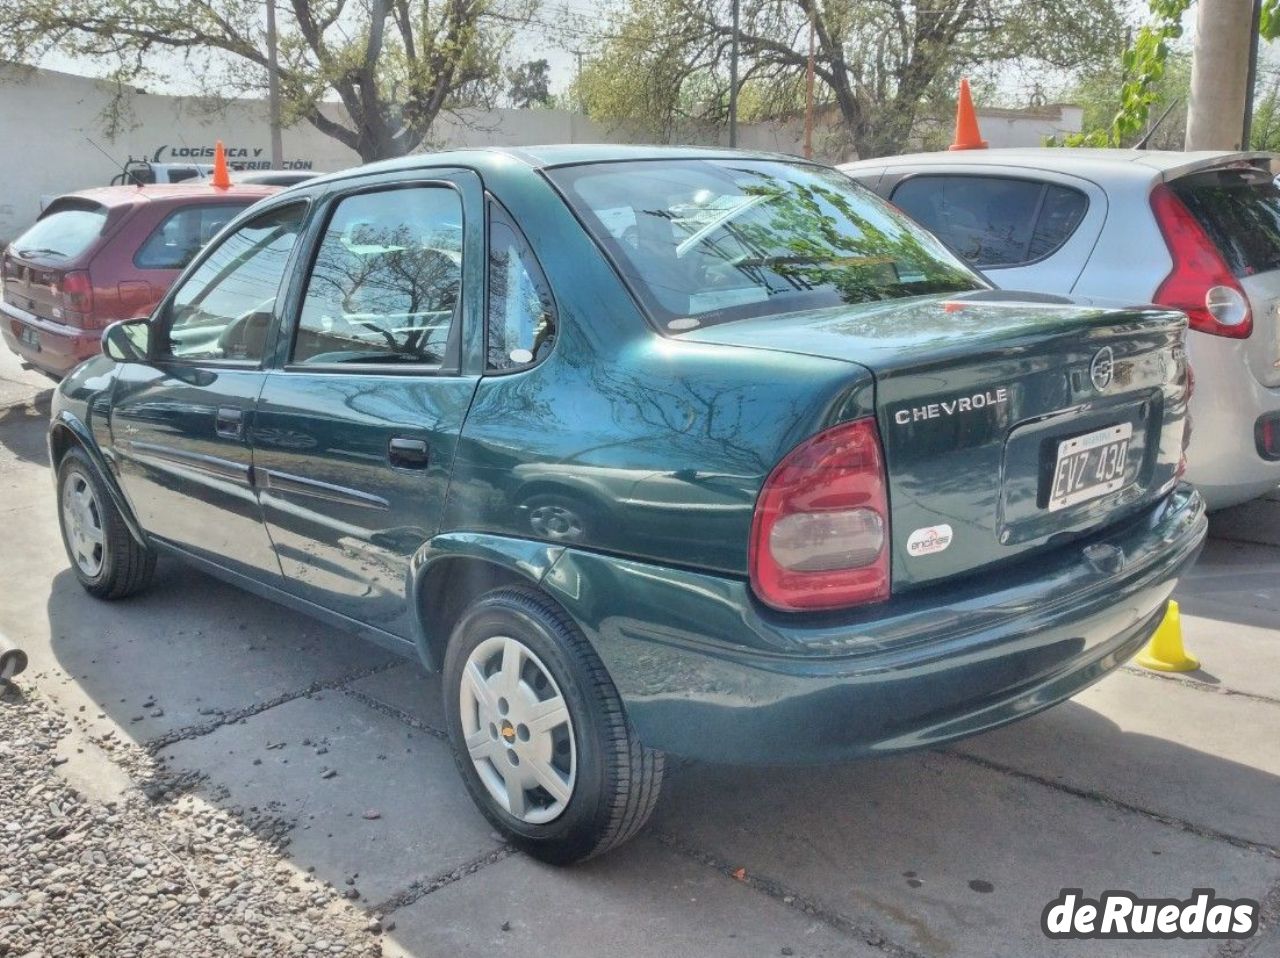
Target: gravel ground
[157,872]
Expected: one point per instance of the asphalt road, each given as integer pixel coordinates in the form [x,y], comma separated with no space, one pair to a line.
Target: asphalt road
[1149,783]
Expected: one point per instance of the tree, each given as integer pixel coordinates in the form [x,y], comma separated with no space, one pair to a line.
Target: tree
[1100,93]
[1144,63]
[394,65]
[529,84]
[876,61]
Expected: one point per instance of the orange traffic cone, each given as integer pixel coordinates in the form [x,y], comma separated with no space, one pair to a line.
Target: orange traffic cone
[221,176]
[968,137]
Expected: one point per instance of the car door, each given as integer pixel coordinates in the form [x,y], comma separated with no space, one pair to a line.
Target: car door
[1025,229]
[355,431]
[180,420]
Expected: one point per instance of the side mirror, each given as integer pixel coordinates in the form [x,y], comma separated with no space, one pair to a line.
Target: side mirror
[127,341]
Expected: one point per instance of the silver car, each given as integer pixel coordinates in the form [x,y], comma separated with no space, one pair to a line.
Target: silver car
[1196,231]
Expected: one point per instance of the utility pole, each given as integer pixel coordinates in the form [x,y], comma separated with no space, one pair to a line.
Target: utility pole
[1219,74]
[577,79]
[733,79]
[1252,80]
[273,88]
[808,96]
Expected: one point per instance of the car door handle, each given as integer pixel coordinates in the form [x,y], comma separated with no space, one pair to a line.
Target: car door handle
[406,453]
[229,423]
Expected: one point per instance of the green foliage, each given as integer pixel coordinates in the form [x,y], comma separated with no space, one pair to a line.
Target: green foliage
[1264,131]
[1145,63]
[529,84]
[1100,92]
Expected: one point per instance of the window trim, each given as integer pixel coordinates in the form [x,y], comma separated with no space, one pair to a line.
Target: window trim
[452,364]
[175,210]
[162,319]
[493,203]
[1019,177]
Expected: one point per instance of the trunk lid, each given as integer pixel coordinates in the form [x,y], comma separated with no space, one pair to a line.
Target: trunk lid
[977,398]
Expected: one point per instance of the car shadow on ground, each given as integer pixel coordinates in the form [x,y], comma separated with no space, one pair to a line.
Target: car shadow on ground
[23,426]
[333,750]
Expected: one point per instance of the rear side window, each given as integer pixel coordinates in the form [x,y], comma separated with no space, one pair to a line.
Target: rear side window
[994,221]
[1240,210]
[707,240]
[182,234]
[386,280]
[66,230]
[521,318]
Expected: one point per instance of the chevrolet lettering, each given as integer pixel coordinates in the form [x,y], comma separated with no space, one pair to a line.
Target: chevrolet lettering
[618,440]
[982,400]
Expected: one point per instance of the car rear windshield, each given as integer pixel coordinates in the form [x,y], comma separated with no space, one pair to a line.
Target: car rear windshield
[66,230]
[1240,210]
[706,241]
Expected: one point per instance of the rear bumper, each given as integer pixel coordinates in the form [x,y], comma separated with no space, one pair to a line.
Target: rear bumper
[708,673]
[51,347]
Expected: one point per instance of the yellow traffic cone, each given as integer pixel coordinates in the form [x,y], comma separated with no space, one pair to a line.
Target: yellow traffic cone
[1164,652]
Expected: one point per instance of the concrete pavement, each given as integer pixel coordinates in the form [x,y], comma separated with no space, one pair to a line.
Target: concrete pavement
[1150,783]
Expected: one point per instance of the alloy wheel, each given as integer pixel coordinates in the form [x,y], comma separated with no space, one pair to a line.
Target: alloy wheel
[82,520]
[518,730]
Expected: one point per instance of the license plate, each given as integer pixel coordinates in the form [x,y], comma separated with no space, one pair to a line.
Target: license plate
[1091,465]
[29,336]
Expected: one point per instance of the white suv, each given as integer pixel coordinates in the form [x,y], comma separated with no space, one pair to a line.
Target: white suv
[1196,231]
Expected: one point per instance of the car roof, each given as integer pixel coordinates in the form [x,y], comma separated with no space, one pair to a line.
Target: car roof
[546,157]
[1093,163]
[171,193]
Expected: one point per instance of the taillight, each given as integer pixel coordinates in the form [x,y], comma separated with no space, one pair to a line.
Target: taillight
[820,537]
[1200,284]
[77,294]
[1266,435]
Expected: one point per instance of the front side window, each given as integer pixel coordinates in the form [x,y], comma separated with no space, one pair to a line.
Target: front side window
[994,221]
[183,233]
[386,280]
[705,241]
[223,310]
[521,318]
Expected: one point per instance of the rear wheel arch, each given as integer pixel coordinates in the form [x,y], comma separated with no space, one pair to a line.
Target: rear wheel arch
[447,588]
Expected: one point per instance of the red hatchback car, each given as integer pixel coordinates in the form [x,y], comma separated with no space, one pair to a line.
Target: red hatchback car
[104,254]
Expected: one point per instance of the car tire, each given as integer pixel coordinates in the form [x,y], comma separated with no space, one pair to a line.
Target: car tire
[104,555]
[605,787]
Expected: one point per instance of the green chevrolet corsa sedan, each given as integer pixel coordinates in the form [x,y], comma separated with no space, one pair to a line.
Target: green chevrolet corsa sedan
[647,451]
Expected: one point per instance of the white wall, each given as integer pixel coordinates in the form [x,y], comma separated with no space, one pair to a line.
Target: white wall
[49,123]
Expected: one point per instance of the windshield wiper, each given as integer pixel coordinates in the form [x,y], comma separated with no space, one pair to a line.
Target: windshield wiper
[42,251]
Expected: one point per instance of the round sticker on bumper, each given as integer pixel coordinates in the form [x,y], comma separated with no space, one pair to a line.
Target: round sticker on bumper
[930,539]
